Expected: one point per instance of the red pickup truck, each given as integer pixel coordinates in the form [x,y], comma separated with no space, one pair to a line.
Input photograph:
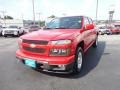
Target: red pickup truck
[60,47]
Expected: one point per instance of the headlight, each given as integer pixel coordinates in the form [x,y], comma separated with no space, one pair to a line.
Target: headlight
[15,32]
[60,42]
[59,52]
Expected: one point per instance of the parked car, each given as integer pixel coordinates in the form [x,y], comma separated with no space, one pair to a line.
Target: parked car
[12,31]
[104,30]
[30,28]
[60,47]
[115,29]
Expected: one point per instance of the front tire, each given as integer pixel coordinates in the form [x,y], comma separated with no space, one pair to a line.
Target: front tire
[5,35]
[78,60]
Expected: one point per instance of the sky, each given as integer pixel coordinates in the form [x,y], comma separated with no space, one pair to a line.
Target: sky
[23,8]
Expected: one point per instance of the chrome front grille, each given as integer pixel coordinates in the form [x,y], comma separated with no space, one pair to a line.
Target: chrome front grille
[34,50]
[9,32]
[40,50]
[40,42]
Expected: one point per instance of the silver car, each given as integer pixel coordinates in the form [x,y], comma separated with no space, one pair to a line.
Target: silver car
[104,30]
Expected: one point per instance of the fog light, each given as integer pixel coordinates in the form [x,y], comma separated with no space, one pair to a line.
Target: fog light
[62,67]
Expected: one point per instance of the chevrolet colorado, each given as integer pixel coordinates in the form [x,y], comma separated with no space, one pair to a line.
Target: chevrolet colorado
[60,46]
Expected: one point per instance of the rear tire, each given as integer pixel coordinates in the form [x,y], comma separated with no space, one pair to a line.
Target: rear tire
[78,61]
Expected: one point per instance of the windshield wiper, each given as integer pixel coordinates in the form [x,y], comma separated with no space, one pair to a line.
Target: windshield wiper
[56,28]
[61,28]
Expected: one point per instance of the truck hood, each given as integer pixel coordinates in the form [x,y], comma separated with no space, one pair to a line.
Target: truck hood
[55,34]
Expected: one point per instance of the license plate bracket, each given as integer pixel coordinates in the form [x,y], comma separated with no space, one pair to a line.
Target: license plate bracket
[30,62]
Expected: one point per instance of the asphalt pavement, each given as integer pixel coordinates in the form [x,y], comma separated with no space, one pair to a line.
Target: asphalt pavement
[101,70]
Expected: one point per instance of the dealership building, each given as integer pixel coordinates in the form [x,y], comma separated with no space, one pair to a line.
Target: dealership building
[8,22]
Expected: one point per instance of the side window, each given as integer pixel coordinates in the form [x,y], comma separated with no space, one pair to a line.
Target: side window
[90,20]
[86,21]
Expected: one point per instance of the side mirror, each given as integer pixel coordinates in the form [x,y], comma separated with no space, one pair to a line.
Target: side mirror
[89,26]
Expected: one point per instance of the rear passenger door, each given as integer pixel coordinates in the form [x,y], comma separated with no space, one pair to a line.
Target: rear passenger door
[93,31]
[87,33]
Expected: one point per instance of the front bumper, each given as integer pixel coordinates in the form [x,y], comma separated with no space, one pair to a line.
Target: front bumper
[10,33]
[50,64]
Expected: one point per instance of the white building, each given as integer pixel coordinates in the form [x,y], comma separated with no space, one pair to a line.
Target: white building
[9,22]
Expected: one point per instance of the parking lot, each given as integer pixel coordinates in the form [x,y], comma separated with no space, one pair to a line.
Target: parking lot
[101,70]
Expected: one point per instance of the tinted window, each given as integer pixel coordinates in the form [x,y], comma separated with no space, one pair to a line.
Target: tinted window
[86,21]
[13,26]
[65,23]
[90,20]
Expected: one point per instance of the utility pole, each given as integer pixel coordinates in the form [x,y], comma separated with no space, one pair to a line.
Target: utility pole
[39,15]
[39,18]
[22,17]
[33,12]
[3,13]
[96,11]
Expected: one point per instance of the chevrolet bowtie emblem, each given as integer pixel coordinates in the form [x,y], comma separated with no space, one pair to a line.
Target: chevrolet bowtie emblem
[32,45]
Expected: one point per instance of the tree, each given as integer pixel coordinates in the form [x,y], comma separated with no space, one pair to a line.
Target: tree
[42,23]
[52,16]
[8,17]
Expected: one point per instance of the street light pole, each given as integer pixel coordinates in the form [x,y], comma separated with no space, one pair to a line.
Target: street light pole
[33,12]
[96,11]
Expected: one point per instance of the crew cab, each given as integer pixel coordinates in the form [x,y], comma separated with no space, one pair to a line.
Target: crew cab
[60,47]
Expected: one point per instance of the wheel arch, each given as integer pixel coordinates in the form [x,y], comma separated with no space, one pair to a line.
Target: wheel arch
[80,44]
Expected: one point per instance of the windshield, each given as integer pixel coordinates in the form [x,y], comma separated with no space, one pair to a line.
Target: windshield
[12,27]
[65,23]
